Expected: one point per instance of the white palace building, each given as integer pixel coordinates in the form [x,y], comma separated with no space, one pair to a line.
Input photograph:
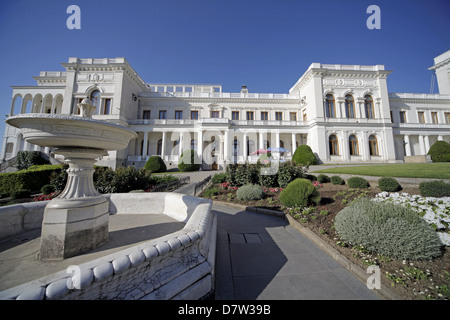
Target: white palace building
[345,113]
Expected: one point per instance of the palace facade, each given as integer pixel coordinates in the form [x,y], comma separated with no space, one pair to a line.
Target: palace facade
[345,113]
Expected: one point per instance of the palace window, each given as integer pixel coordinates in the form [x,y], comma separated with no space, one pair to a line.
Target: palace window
[421,116]
[330,110]
[214,114]
[264,115]
[333,144]
[250,115]
[402,116]
[368,104]
[146,114]
[107,106]
[159,147]
[194,144]
[95,99]
[162,114]
[434,117]
[353,145]
[293,116]
[194,115]
[234,115]
[373,146]
[278,116]
[447,117]
[178,114]
[349,106]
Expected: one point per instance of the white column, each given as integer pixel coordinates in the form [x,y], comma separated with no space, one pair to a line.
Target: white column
[180,144]
[163,145]
[226,147]
[200,145]
[261,140]
[421,145]
[145,146]
[427,144]
[407,145]
[277,140]
[293,144]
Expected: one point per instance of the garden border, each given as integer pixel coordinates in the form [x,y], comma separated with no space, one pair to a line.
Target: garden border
[384,292]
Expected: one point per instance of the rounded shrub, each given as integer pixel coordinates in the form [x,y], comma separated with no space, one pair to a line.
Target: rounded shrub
[304,156]
[358,182]
[219,178]
[47,189]
[189,161]
[388,184]
[211,192]
[440,151]
[155,164]
[388,229]
[299,193]
[336,180]
[250,192]
[323,178]
[434,189]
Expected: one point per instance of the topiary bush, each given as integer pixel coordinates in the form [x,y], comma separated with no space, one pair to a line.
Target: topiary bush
[299,193]
[388,184]
[250,192]
[323,178]
[288,172]
[304,156]
[387,229]
[47,189]
[358,182]
[189,161]
[155,164]
[336,180]
[434,189]
[440,151]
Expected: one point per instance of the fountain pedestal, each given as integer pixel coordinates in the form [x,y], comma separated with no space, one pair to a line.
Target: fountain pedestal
[77,221]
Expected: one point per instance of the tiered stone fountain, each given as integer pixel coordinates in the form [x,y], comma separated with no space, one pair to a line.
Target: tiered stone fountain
[77,220]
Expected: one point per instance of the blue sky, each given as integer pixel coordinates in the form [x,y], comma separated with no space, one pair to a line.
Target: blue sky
[264,44]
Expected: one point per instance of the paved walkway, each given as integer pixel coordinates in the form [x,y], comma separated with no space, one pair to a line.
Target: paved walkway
[262,257]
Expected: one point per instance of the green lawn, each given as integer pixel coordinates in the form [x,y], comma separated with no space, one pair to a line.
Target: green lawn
[439,170]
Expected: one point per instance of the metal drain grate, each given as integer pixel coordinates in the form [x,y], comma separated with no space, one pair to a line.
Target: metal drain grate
[241,238]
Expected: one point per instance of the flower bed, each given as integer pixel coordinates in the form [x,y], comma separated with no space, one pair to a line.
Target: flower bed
[435,211]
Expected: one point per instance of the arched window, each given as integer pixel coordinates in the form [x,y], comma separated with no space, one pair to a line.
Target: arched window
[373,146]
[250,147]
[194,144]
[159,147]
[330,110]
[349,106]
[368,106]
[235,147]
[95,99]
[353,145]
[333,145]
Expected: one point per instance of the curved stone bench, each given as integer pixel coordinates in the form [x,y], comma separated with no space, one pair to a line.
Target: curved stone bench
[179,265]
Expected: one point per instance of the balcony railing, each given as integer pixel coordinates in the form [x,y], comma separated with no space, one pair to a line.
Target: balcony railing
[218,121]
[219,95]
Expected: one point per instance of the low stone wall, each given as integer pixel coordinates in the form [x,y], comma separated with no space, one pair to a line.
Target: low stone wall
[22,217]
[179,265]
[418,159]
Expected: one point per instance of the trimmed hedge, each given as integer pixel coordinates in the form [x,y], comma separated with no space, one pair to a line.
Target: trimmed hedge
[304,156]
[391,230]
[434,189]
[155,164]
[336,180]
[440,151]
[357,182]
[323,178]
[32,179]
[299,193]
[388,184]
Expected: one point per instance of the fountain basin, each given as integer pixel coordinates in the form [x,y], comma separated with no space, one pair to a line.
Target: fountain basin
[176,265]
[58,130]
